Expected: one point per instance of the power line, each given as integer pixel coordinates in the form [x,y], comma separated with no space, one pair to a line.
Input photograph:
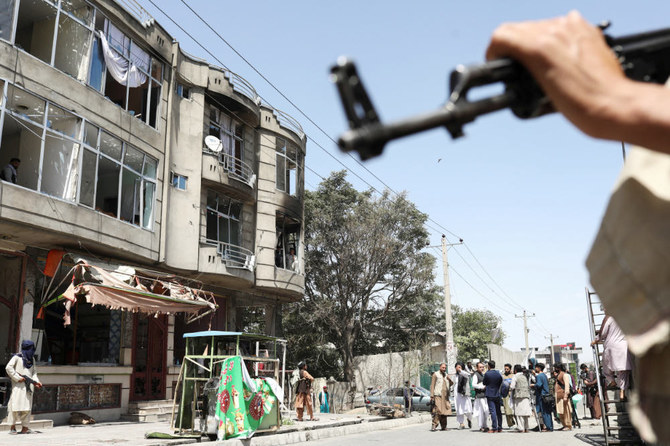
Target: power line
[197,42]
[489,275]
[485,284]
[253,67]
[239,54]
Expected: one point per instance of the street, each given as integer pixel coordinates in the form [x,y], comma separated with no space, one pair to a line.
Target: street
[420,434]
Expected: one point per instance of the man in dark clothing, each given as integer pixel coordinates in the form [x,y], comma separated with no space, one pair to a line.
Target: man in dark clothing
[542,388]
[8,173]
[590,381]
[492,380]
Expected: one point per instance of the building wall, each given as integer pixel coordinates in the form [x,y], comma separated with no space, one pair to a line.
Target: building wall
[30,219]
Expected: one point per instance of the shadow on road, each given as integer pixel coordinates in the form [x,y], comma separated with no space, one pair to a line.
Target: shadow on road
[592,439]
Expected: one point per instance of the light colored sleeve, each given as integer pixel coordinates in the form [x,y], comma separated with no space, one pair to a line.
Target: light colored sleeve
[512,385]
[432,386]
[11,369]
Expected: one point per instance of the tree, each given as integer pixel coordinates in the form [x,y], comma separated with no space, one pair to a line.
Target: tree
[365,270]
[473,329]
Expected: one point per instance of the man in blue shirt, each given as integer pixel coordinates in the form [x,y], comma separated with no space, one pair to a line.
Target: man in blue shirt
[493,380]
[542,388]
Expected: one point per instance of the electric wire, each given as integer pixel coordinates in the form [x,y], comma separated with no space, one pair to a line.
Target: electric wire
[197,42]
[326,134]
[298,109]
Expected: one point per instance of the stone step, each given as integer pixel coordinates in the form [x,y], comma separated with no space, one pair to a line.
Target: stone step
[150,418]
[34,424]
[150,410]
[150,404]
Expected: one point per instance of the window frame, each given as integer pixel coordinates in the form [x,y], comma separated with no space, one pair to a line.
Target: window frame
[80,140]
[176,176]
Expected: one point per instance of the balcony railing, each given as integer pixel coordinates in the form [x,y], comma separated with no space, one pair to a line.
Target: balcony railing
[235,168]
[234,256]
[288,122]
[242,86]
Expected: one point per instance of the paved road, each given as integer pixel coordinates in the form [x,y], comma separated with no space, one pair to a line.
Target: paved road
[420,435]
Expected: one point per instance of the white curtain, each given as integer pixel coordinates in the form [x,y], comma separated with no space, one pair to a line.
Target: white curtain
[227,127]
[124,72]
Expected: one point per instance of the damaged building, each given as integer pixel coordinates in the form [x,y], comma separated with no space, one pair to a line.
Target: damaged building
[156,195]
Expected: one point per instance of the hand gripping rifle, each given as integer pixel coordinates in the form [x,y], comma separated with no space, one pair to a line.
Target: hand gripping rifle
[643,57]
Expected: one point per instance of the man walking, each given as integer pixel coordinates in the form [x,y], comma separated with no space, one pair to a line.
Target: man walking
[481,408]
[21,371]
[492,381]
[303,399]
[439,395]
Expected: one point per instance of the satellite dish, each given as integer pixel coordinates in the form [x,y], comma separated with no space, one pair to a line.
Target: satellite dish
[213,143]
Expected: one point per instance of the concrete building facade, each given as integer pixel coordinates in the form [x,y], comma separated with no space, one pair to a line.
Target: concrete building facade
[135,156]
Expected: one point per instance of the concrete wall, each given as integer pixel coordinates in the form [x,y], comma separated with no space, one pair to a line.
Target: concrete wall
[387,370]
[501,356]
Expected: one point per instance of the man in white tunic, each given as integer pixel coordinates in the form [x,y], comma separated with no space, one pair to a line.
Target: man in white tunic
[21,371]
[463,402]
[616,358]
[481,408]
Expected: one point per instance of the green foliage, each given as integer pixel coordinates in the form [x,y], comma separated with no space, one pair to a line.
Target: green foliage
[369,284]
[473,329]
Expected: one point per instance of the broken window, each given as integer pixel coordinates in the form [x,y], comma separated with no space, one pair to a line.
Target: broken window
[230,132]
[6,19]
[65,46]
[288,242]
[76,38]
[22,134]
[288,167]
[223,219]
[132,78]
[63,156]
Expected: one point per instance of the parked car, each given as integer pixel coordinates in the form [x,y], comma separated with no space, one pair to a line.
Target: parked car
[420,399]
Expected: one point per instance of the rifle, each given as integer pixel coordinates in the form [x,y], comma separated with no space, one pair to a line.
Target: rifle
[28,381]
[644,57]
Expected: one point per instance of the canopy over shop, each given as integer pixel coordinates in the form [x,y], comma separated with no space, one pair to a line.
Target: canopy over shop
[108,289]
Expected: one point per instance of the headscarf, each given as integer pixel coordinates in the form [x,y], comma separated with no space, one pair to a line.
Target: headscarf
[533,362]
[27,352]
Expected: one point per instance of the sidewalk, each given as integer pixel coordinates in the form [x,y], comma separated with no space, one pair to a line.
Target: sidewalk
[125,433]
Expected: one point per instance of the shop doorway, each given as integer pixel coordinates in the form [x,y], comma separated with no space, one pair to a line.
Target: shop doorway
[147,381]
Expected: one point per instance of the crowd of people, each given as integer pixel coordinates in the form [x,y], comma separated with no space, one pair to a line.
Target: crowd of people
[519,392]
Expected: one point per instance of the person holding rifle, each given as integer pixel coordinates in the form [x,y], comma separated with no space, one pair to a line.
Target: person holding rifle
[581,75]
[21,371]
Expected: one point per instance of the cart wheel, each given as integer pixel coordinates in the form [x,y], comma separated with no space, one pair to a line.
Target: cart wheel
[212,437]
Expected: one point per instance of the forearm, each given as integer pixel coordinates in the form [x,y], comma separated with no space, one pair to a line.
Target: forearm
[639,115]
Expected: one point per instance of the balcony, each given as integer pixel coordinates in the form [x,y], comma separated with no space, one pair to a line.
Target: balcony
[234,256]
[222,168]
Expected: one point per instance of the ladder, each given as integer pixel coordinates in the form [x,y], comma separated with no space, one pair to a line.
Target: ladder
[617,426]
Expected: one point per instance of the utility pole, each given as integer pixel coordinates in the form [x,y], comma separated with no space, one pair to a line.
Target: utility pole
[449,346]
[551,339]
[525,327]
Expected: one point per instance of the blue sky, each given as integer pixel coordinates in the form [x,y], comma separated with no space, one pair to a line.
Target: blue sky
[526,196]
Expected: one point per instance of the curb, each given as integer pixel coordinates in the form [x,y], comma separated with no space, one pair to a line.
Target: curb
[327,432]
